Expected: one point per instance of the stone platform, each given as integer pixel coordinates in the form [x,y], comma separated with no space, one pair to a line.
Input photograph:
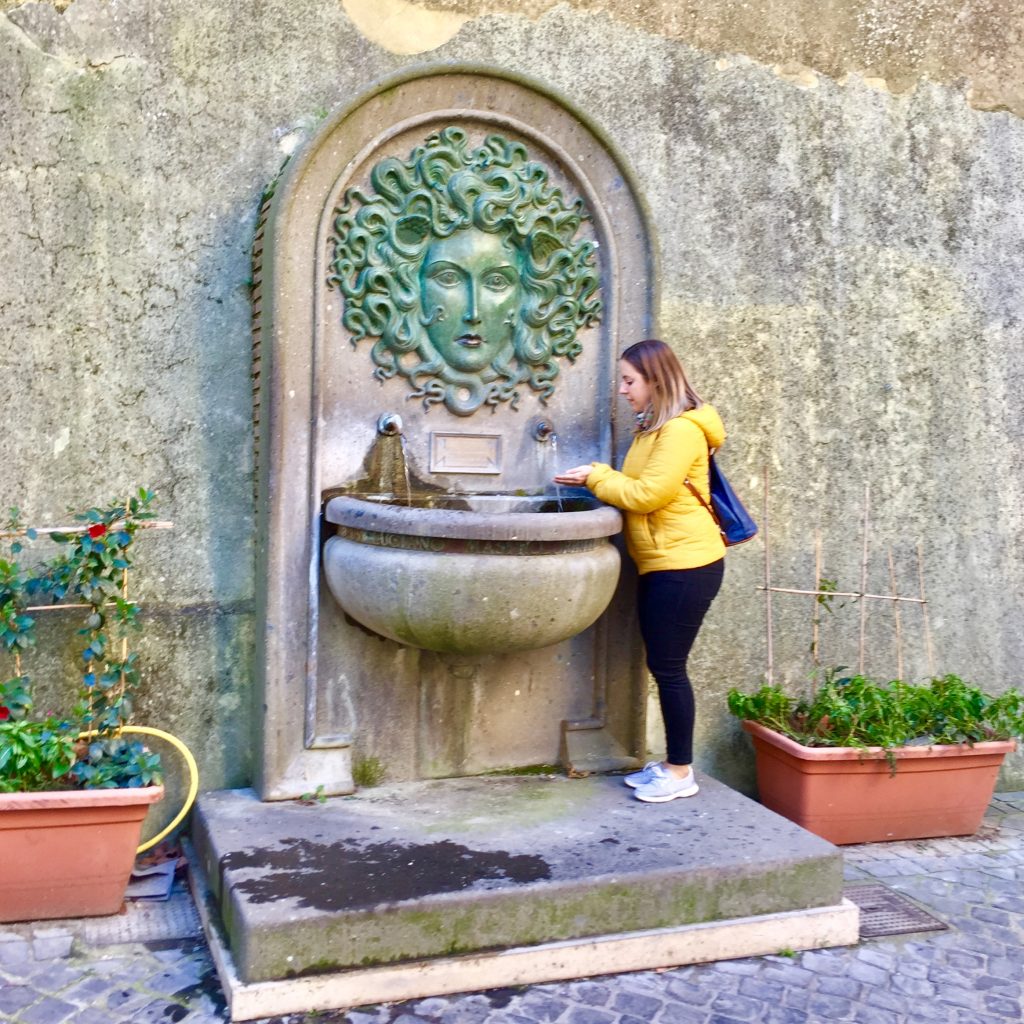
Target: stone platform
[457,884]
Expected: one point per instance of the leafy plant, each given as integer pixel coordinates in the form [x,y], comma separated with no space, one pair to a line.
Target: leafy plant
[85,748]
[35,755]
[854,711]
[368,771]
[828,588]
[825,600]
[317,796]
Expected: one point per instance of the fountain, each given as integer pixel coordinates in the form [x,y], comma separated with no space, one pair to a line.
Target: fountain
[469,573]
[465,246]
[473,573]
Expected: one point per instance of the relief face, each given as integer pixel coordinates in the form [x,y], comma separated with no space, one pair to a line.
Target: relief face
[470,286]
[466,267]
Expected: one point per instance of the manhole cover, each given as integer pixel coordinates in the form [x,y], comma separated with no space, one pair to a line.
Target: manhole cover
[884,912]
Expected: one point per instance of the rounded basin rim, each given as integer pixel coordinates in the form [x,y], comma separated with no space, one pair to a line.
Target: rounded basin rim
[347,510]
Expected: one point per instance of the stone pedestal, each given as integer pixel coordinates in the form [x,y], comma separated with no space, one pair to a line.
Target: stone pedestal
[458,884]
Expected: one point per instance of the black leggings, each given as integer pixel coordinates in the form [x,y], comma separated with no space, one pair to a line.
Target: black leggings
[672,605]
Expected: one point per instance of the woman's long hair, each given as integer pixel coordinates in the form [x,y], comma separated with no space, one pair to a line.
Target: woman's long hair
[671,391]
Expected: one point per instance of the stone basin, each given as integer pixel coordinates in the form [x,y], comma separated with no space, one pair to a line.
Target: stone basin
[472,573]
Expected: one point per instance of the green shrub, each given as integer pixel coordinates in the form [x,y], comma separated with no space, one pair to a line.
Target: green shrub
[853,711]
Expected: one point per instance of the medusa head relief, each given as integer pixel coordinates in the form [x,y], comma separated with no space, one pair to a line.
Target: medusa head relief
[465,264]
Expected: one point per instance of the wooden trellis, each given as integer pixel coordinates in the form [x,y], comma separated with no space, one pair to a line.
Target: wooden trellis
[862,595]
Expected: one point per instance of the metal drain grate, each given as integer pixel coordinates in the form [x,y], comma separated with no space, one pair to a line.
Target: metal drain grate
[175,918]
[884,912]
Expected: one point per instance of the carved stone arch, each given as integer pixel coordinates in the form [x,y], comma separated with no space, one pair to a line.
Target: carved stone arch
[318,401]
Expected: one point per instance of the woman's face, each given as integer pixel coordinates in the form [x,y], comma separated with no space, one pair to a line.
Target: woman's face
[634,386]
[471,290]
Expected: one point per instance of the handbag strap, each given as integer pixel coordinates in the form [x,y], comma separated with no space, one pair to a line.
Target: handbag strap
[697,494]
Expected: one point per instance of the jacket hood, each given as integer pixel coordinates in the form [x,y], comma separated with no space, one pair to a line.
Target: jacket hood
[707,418]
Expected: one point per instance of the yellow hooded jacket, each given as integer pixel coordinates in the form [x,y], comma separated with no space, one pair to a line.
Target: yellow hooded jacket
[666,526]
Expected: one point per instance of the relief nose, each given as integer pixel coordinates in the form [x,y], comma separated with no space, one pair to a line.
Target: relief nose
[472,314]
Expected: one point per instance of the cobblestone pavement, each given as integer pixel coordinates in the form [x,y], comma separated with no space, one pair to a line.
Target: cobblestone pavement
[972,973]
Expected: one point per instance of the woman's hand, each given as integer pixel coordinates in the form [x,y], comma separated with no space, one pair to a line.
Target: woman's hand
[576,477]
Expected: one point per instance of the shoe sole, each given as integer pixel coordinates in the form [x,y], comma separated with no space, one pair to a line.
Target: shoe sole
[692,791]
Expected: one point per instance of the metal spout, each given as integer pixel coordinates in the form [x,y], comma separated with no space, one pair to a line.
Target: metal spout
[544,430]
[389,424]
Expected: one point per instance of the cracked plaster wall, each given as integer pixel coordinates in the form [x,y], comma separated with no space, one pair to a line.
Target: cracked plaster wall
[836,195]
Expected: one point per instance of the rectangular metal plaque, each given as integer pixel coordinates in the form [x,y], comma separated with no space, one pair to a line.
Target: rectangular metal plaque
[465,453]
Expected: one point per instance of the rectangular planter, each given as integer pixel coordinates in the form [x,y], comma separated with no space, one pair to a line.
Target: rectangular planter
[69,853]
[847,795]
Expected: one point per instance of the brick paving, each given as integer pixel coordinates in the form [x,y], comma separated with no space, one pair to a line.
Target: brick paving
[973,973]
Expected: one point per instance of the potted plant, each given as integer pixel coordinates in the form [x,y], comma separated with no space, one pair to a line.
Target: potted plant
[73,789]
[861,761]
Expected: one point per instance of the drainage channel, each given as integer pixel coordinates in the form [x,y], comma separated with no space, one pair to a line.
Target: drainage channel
[884,912]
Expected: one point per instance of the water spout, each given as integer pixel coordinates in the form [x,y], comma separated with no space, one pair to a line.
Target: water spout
[544,430]
[389,424]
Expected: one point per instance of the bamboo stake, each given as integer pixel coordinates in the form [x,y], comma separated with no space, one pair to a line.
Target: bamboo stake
[864,577]
[59,607]
[924,611]
[768,584]
[42,531]
[896,613]
[122,683]
[844,593]
[815,611]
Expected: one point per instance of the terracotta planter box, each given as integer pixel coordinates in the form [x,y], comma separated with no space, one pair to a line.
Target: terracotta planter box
[69,853]
[846,795]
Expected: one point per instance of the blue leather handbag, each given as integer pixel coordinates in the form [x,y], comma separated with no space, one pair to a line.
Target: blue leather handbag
[734,521]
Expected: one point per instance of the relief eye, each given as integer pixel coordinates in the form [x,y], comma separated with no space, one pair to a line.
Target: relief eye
[498,282]
[447,278]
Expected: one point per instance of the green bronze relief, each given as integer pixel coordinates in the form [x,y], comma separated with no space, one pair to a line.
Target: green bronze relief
[464,264]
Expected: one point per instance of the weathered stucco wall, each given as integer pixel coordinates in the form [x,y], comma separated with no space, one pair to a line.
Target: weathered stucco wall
[836,195]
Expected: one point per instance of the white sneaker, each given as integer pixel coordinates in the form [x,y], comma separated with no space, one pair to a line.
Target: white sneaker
[642,777]
[665,786]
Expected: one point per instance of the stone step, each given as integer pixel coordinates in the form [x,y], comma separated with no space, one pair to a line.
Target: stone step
[452,867]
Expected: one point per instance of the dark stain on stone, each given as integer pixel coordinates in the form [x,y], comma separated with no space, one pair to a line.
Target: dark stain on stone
[611,840]
[348,875]
[499,998]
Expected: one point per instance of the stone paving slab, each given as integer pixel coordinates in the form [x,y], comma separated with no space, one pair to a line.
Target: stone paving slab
[971,974]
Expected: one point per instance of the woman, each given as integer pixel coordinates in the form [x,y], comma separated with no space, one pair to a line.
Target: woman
[672,538]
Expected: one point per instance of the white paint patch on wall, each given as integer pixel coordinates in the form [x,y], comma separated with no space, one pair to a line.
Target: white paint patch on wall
[402,27]
[61,441]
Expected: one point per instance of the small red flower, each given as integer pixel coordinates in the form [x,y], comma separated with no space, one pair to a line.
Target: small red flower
[98,530]
[5,713]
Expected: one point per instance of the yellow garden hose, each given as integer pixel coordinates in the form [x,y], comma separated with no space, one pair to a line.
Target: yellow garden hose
[193,776]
